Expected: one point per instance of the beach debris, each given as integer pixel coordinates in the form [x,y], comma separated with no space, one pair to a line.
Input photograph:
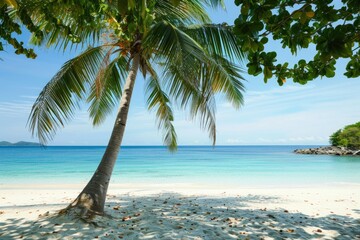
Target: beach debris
[44,214]
[116,207]
[126,218]
[231,221]
[286,211]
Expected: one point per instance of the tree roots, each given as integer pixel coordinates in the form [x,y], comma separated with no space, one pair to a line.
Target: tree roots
[82,208]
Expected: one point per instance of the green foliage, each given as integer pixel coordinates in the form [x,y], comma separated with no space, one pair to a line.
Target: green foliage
[51,23]
[333,30]
[335,138]
[347,137]
[184,58]
[9,26]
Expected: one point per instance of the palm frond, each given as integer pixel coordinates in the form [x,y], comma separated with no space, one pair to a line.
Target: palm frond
[159,101]
[216,3]
[186,88]
[217,39]
[184,13]
[57,101]
[204,108]
[181,82]
[106,90]
[172,44]
[203,105]
[194,85]
[225,78]
[12,3]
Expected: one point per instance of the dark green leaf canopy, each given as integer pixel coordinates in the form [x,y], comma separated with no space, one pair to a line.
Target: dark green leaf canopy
[349,136]
[332,28]
[9,26]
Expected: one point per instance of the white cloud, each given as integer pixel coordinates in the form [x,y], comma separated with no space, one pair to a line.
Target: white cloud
[234,141]
[15,108]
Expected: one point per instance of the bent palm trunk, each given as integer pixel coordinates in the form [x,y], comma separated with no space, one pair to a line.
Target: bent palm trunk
[92,198]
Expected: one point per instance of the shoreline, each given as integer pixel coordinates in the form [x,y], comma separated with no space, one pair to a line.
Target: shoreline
[187,212]
[180,186]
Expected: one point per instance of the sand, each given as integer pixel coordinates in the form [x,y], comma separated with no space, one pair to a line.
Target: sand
[183,211]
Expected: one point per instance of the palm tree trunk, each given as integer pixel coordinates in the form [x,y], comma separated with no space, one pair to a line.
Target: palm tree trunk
[92,198]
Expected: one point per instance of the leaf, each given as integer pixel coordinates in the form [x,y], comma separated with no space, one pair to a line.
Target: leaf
[187,12]
[303,18]
[264,40]
[267,72]
[216,39]
[105,91]
[175,2]
[158,100]
[310,14]
[252,69]
[131,4]
[245,9]
[58,100]
[11,3]
[297,15]
[302,62]
[122,6]
[330,73]
[171,43]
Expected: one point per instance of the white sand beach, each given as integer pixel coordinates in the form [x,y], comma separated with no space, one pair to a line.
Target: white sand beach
[179,211]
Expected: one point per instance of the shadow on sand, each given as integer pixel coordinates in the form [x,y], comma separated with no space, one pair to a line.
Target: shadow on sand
[173,216]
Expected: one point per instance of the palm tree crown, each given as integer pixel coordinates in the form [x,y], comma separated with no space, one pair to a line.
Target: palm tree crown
[184,58]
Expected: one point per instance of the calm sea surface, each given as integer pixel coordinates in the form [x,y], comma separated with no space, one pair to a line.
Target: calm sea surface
[236,165]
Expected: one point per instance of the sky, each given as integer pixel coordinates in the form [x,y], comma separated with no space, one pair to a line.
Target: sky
[292,114]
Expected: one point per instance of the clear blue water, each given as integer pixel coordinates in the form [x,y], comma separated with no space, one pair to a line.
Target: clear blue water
[236,165]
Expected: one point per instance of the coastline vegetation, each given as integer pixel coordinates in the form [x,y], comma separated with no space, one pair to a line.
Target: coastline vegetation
[348,137]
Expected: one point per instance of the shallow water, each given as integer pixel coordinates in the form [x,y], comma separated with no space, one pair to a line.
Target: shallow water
[234,165]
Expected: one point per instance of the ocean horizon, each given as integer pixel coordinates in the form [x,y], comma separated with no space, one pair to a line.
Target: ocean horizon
[243,165]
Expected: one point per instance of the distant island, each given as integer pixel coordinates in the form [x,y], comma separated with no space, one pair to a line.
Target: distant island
[344,141]
[329,150]
[18,144]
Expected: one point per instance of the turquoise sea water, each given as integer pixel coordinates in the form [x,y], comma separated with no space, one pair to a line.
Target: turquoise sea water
[236,165]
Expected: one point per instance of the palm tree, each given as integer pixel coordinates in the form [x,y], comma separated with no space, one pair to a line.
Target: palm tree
[183,57]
